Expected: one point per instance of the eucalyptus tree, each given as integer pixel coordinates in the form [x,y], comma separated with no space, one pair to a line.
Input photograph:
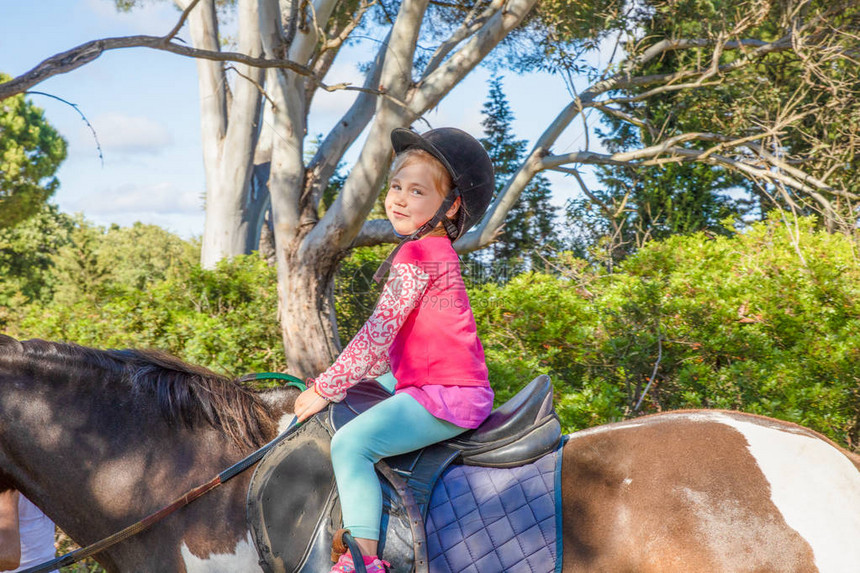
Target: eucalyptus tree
[283,51]
[399,92]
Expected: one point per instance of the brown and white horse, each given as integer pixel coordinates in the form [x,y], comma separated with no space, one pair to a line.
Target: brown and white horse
[99,439]
[709,491]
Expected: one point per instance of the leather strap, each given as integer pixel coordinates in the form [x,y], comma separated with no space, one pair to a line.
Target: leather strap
[416,520]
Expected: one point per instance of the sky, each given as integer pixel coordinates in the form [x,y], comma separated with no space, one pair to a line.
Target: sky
[143,106]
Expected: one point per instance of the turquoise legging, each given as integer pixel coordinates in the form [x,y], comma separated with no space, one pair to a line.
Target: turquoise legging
[394,426]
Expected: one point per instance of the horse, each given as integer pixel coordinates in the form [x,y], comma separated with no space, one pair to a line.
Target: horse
[100,438]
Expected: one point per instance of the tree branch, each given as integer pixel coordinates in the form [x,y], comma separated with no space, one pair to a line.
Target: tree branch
[436,84]
[469,26]
[256,84]
[375,232]
[540,159]
[343,134]
[798,174]
[85,53]
[83,117]
[345,218]
[330,48]
[182,18]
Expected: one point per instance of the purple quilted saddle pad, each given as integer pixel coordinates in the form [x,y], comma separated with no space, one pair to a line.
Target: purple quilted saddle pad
[492,520]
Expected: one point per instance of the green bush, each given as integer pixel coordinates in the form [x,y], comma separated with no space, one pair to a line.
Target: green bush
[142,287]
[767,321]
[355,290]
[225,319]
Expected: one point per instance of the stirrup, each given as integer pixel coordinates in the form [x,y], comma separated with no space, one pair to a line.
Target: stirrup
[342,541]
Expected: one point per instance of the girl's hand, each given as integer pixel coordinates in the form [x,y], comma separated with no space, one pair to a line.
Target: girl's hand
[308,403]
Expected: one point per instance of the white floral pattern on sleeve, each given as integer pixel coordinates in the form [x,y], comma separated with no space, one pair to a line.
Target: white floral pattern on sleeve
[367,353]
[382,366]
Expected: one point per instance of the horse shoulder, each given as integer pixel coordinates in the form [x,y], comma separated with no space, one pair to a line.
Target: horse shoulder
[280,402]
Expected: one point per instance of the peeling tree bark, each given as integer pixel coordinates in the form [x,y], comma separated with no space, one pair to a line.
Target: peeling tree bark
[230,129]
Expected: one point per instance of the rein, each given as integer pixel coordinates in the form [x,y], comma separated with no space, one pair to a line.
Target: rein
[184,499]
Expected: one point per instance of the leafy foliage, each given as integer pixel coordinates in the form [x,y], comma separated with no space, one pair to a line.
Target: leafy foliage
[143,287]
[30,153]
[356,292]
[635,205]
[557,33]
[26,263]
[767,322]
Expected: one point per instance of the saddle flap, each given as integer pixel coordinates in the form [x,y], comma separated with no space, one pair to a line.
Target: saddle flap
[290,500]
[293,509]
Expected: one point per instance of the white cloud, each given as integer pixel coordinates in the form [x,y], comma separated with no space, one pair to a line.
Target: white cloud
[129,134]
[164,204]
[132,199]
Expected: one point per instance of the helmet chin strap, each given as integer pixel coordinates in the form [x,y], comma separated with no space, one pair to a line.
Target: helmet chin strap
[439,216]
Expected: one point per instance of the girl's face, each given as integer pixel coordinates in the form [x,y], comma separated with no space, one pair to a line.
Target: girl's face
[412,198]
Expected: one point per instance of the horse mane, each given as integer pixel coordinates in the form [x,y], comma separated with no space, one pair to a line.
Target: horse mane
[186,394]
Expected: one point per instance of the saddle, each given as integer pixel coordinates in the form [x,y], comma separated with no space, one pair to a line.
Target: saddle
[292,507]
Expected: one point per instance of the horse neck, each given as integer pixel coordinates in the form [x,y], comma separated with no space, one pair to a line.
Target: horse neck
[93,456]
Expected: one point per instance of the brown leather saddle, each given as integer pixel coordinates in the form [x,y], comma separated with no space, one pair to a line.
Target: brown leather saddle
[292,507]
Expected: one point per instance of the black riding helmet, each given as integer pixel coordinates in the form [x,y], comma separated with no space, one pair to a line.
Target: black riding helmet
[467,162]
[471,171]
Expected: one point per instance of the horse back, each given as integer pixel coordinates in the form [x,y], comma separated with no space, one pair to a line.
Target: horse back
[708,491]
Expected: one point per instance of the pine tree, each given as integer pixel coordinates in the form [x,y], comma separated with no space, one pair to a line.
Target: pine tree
[529,226]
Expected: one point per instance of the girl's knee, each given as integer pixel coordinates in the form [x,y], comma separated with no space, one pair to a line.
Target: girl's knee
[338,443]
[354,446]
[345,443]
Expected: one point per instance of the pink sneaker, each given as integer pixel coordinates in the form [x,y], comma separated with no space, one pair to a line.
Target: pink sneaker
[377,566]
[346,565]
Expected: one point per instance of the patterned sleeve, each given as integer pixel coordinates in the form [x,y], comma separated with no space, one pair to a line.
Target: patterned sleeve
[367,352]
[382,366]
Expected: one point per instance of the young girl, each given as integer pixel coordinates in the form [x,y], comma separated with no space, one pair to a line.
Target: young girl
[422,329]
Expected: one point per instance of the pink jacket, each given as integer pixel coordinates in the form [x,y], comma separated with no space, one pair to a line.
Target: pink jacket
[423,330]
[438,342]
